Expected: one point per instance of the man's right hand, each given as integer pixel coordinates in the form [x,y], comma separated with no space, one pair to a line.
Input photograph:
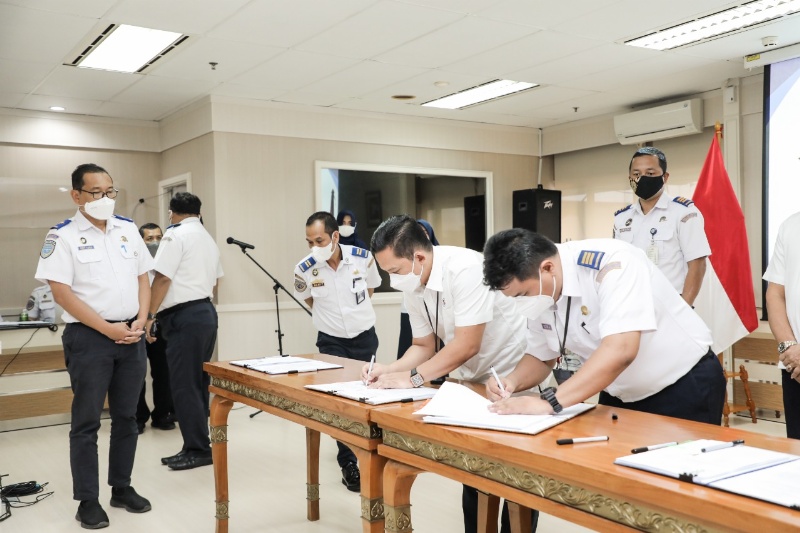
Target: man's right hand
[377,370]
[494,393]
[120,333]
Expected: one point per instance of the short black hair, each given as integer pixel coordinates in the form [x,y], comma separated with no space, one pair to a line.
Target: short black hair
[86,168]
[514,254]
[403,234]
[150,226]
[649,150]
[327,219]
[185,203]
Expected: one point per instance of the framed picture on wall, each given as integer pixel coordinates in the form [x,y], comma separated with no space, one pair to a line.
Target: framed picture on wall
[374,208]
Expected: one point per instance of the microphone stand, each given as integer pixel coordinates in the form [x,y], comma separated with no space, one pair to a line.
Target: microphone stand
[276,287]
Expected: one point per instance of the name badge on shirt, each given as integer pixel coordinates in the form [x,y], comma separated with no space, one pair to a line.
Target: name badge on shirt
[652,250]
[361,296]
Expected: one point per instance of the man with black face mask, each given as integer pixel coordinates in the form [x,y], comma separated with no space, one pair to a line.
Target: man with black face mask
[669,230]
[162,415]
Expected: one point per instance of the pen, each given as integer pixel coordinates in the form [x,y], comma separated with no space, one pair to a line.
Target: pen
[497,379]
[369,371]
[578,440]
[722,446]
[653,447]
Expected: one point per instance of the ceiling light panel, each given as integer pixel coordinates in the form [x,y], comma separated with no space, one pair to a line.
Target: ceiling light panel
[481,93]
[128,49]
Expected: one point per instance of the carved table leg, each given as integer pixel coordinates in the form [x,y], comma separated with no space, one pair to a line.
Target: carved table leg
[488,512]
[370,465]
[520,517]
[312,474]
[397,481]
[220,407]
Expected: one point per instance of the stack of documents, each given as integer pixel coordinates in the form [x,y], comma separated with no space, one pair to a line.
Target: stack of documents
[285,365]
[755,472]
[457,405]
[356,390]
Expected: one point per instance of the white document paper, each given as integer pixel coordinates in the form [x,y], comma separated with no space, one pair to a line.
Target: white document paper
[687,462]
[457,405]
[356,390]
[777,484]
[285,365]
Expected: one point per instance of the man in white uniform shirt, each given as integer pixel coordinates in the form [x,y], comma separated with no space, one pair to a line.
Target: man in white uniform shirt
[446,299]
[337,281]
[641,345]
[187,267]
[96,264]
[669,230]
[42,306]
[783,309]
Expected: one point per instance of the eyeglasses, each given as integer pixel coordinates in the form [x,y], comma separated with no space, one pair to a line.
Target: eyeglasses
[99,194]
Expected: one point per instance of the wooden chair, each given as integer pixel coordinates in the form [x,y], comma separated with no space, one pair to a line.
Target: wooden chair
[734,408]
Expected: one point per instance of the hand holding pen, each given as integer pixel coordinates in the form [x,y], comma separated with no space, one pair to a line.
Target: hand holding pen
[496,389]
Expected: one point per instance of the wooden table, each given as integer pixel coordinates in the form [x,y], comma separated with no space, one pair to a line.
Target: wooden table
[286,396]
[578,482]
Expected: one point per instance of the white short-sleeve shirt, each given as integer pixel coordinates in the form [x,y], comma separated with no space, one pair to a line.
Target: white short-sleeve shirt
[189,257]
[674,226]
[42,306]
[101,268]
[342,305]
[456,287]
[784,269]
[614,288]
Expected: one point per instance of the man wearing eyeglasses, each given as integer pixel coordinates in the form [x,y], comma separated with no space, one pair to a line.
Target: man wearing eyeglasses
[669,230]
[96,264]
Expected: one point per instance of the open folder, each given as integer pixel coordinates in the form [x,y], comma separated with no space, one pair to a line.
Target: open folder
[285,365]
[755,472]
[457,405]
[356,390]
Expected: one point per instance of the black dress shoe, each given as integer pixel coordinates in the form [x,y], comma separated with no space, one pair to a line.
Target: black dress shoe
[191,460]
[91,515]
[351,477]
[128,498]
[163,424]
[140,427]
[173,458]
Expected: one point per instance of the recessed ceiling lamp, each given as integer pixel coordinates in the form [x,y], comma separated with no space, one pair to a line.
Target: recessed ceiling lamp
[56,108]
[482,93]
[124,48]
[403,96]
[742,16]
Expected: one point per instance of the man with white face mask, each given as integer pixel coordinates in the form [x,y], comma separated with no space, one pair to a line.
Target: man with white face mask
[336,281]
[446,299]
[642,346]
[96,264]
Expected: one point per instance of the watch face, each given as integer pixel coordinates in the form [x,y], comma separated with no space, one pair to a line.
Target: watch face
[417,380]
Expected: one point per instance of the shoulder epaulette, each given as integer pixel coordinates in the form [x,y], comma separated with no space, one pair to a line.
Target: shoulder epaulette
[360,252]
[590,258]
[62,224]
[307,263]
[123,218]
[623,209]
[173,225]
[683,201]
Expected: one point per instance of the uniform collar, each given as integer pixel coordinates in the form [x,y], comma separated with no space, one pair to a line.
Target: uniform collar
[569,270]
[438,258]
[84,224]
[662,203]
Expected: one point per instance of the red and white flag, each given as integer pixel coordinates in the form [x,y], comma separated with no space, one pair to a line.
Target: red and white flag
[726,301]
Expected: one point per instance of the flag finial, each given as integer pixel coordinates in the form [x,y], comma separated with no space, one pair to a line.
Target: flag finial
[718,131]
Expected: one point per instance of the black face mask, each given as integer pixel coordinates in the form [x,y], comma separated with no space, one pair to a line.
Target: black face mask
[647,186]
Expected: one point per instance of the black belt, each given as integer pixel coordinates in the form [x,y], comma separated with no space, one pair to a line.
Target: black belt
[178,307]
[126,320]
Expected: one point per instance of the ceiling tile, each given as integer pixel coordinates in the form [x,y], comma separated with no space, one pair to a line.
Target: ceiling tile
[26,75]
[39,36]
[246,91]
[461,6]
[89,83]
[164,93]
[76,106]
[423,87]
[360,79]
[520,103]
[379,29]
[293,69]
[172,15]
[542,13]
[307,98]
[82,8]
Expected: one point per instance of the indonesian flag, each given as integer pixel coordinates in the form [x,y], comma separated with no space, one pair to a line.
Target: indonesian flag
[726,301]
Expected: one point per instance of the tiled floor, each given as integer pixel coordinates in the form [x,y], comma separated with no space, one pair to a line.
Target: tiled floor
[267,484]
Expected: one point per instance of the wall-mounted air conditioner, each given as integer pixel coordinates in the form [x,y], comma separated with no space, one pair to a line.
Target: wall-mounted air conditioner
[662,122]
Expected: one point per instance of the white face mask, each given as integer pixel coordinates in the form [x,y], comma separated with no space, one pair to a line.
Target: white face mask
[346,231]
[532,307]
[101,209]
[323,253]
[407,282]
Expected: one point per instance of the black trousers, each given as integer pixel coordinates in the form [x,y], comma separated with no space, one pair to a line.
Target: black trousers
[162,395]
[699,395]
[190,334]
[469,504]
[98,366]
[361,348]
[791,405]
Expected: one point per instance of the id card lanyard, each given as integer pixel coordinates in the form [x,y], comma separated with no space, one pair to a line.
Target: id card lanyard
[435,328]
[652,250]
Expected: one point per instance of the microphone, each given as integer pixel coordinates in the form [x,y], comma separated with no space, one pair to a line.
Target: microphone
[244,245]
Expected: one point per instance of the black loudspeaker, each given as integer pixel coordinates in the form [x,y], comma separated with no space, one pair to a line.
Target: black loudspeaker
[538,210]
[475,222]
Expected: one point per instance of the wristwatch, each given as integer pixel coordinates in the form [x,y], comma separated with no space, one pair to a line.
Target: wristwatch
[783,346]
[416,378]
[151,316]
[549,395]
